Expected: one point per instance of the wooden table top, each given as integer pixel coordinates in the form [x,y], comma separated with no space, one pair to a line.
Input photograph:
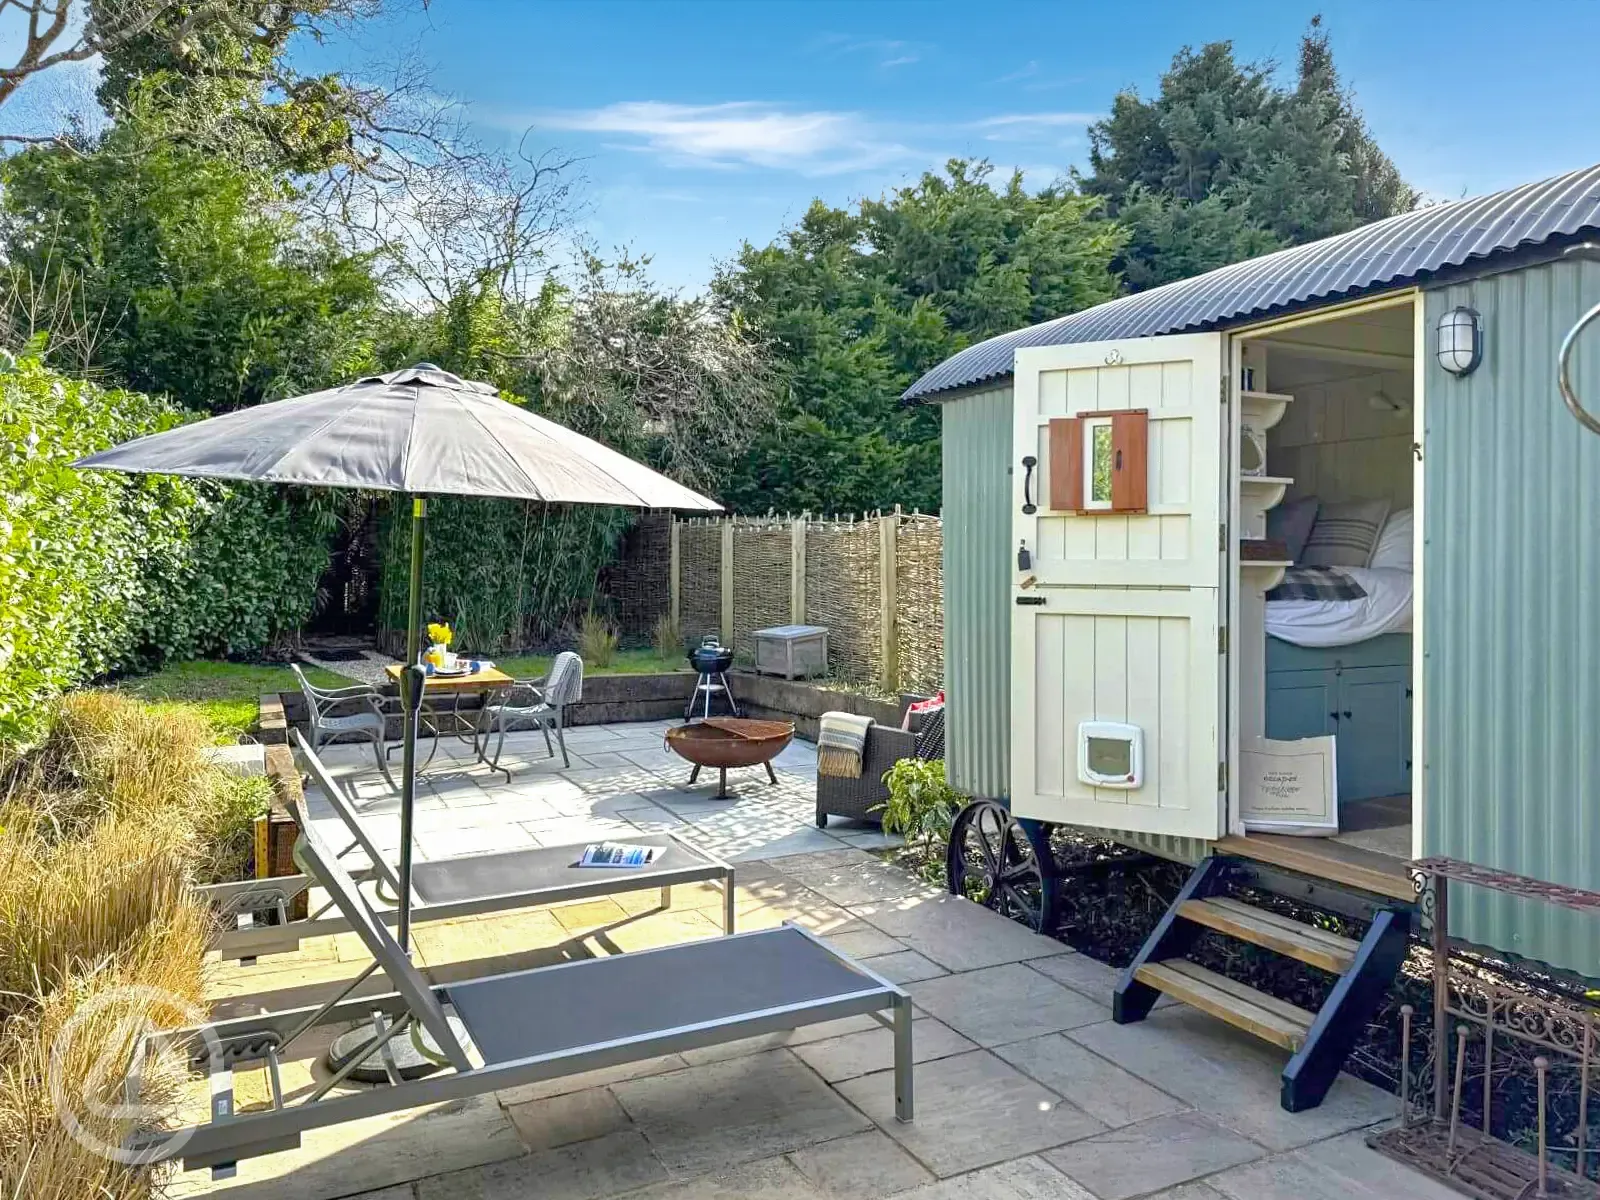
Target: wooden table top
[478,681]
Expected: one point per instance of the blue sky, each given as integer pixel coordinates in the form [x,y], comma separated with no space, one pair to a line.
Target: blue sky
[702,124]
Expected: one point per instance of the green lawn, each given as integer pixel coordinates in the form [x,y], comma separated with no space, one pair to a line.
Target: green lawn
[626,662]
[227,693]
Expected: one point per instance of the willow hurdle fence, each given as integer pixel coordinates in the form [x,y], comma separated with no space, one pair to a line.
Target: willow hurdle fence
[875,581]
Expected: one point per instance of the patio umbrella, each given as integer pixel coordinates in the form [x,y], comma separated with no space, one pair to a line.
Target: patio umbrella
[422,431]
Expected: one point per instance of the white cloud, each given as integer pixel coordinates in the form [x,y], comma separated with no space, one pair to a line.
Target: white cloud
[1033,127]
[737,133]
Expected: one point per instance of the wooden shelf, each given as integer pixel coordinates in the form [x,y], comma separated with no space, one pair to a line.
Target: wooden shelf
[1264,409]
[1262,492]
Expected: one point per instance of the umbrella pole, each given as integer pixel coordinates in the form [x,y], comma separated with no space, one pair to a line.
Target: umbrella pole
[411,686]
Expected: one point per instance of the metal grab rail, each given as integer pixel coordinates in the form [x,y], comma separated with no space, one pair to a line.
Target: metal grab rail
[1588,420]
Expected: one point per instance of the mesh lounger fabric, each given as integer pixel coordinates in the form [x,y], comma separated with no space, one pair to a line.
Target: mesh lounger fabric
[517,872]
[565,1007]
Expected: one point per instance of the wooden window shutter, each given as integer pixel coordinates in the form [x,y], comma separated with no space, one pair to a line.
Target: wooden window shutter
[1066,464]
[1130,469]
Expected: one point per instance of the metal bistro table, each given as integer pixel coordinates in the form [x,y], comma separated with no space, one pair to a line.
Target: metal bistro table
[441,702]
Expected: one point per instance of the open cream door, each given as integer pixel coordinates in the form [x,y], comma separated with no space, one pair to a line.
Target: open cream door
[1117,710]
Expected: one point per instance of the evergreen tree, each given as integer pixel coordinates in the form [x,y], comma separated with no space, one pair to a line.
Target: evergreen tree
[1224,164]
[860,302]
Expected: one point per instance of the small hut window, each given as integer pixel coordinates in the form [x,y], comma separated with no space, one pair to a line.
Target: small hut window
[1099,462]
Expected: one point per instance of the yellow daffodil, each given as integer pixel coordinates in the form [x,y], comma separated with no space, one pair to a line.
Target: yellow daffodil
[440,633]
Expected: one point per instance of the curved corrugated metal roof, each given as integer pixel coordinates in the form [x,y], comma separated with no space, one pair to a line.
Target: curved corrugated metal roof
[1387,253]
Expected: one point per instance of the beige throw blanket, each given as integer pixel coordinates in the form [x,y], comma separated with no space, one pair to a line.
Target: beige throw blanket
[840,741]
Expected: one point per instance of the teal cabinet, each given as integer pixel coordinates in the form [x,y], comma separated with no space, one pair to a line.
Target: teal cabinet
[1374,749]
[1361,695]
[1301,704]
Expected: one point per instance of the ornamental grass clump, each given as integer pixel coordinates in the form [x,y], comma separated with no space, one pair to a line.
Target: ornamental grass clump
[104,829]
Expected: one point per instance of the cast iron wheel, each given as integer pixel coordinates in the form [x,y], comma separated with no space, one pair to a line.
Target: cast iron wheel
[1004,864]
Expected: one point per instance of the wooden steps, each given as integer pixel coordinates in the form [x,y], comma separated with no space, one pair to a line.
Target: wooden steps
[1317,947]
[1318,1043]
[1268,1018]
[1321,858]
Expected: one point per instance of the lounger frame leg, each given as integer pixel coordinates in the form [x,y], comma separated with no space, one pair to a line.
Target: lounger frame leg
[904,1107]
[727,904]
[666,895]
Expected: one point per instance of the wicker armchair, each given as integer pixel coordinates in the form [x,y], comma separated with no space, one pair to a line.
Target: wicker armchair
[859,799]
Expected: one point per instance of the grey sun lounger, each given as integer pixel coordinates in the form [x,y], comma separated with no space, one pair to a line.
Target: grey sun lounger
[505,1030]
[451,888]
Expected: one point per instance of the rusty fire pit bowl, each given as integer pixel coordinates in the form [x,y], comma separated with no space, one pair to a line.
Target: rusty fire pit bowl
[730,742]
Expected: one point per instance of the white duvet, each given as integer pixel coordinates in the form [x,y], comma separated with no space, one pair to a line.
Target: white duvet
[1386,608]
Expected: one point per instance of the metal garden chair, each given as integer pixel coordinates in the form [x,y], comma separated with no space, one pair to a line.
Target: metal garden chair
[327,722]
[539,703]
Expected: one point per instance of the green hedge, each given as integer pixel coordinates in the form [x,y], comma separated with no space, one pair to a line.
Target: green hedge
[102,572]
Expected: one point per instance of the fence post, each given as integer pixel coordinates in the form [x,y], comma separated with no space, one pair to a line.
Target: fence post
[674,575]
[727,581]
[888,639]
[797,571]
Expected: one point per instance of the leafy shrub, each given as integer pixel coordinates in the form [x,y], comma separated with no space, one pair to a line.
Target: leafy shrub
[667,638]
[100,571]
[597,640]
[921,804]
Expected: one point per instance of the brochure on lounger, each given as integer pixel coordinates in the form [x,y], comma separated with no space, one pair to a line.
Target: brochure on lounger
[617,854]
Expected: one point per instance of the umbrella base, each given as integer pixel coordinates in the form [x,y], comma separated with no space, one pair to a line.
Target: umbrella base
[408,1063]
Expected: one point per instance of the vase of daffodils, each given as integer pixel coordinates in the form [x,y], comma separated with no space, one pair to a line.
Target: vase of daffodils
[438,653]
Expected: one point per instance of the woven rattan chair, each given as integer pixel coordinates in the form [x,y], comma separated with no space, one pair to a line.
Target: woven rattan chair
[860,799]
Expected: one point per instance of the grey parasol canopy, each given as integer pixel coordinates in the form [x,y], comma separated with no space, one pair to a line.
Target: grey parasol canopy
[419,430]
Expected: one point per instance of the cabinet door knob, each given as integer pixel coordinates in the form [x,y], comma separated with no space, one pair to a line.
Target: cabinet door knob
[1345,714]
[1333,716]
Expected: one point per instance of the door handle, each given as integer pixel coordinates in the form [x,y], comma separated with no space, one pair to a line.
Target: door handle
[1030,600]
[1029,462]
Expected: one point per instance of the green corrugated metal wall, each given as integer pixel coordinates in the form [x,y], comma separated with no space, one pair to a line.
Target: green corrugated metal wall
[979,562]
[1511,612]
[978,565]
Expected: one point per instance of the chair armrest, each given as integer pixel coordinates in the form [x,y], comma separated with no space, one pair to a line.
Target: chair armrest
[885,746]
[354,691]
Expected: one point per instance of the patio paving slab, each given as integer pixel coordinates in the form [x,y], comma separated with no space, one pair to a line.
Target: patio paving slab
[956,933]
[1093,978]
[873,1050]
[375,1154]
[573,1117]
[1344,1168]
[590,1079]
[972,1111]
[1143,1158]
[1102,1089]
[769,1179]
[862,882]
[1003,1004]
[859,1167]
[584,1171]
[1028,1178]
[903,966]
[709,1117]
[1199,1060]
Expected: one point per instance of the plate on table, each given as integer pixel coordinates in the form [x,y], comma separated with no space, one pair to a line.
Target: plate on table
[452,672]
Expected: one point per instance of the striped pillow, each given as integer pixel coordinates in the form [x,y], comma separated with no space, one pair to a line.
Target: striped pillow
[1345,534]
